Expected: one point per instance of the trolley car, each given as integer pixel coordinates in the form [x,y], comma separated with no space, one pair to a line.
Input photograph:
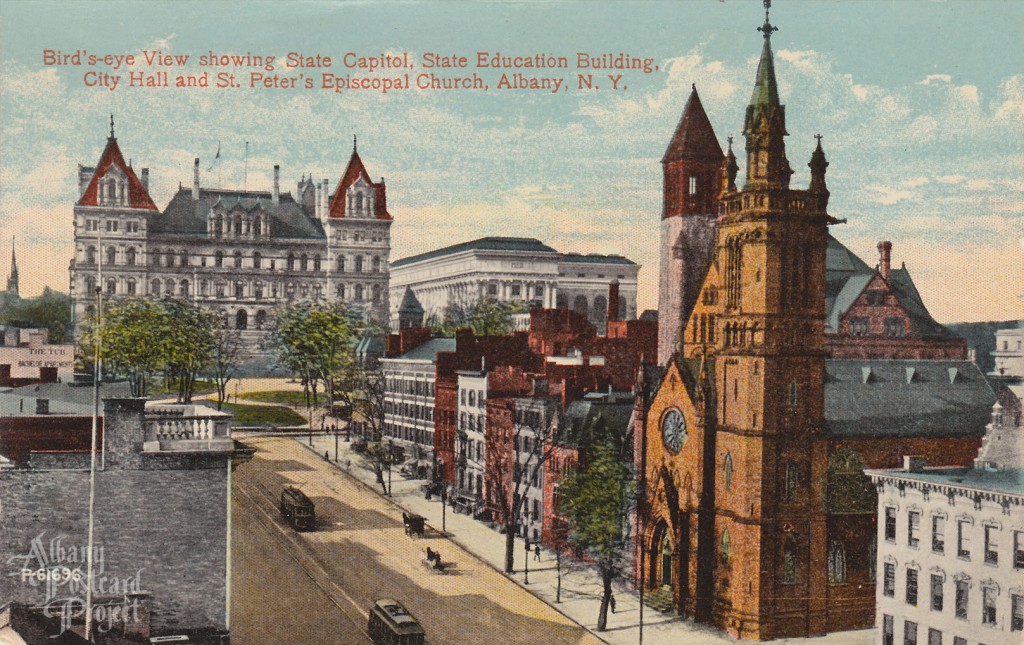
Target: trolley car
[297,509]
[391,624]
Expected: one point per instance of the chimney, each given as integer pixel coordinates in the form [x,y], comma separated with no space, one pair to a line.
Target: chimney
[884,259]
[145,179]
[613,300]
[124,422]
[277,185]
[195,181]
[914,463]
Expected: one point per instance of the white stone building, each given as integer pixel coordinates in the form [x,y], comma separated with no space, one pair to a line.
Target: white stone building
[514,269]
[237,252]
[470,439]
[1009,353]
[950,556]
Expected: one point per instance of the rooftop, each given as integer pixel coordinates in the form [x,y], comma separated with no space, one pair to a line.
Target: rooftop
[513,244]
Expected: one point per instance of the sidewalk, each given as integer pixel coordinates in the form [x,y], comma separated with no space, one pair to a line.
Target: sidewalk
[581,587]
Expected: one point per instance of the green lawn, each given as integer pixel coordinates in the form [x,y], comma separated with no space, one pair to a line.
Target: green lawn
[171,388]
[258,415]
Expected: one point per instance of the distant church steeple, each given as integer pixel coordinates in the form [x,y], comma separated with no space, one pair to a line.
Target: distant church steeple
[12,281]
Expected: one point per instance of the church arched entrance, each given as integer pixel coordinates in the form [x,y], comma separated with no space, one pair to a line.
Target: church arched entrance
[665,560]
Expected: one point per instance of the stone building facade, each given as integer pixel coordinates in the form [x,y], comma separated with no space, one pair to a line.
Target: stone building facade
[512,269]
[237,252]
[162,512]
[795,366]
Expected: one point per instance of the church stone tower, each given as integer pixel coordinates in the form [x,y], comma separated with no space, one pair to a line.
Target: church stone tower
[693,169]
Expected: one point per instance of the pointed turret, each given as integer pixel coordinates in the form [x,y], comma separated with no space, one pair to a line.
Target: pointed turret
[114,183]
[692,163]
[818,166]
[357,195]
[410,312]
[765,122]
[729,170]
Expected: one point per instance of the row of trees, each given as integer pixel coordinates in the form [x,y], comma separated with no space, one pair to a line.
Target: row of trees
[142,338]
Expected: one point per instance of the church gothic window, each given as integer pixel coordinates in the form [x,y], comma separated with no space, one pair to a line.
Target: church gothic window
[789,560]
[727,471]
[725,547]
[836,562]
[792,481]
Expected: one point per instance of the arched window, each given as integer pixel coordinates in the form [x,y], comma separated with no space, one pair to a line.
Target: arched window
[256,227]
[727,470]
[304,263]
[257,259]
[183,258]
[725,547]
[316,262]
[111,255]
[241,319]
[169,286]
[257,290]
[376,264]
[359,292]
[90,285]
[341,264]
[130,287]
[239,289]
[129,256]
[169,258]
[836,562]
[261,319]
[238,259]
[376,293]
[359,264]
[154,288]
[789,560]
[792,481]
[183,288]
[341,291]
[580,304]
[218,258]
[90,255]
[111,287]
[291,261]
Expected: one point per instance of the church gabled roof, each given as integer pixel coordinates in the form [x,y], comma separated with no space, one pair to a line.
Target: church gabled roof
[694,138]
[353,173]
[138,197]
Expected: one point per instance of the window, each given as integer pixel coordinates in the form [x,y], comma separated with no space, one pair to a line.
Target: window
[909,633]
[938,534]
[836,563]
[991,554]
[793,394]
[789,561]
[860,326]
[913,528]
[890,524]
[129,256]
[692,186]
[936,592]
[1016,613]
[988,605]
[872,557]
[792,479]
[957,640]
[516,290]
[492,290]
[1018,549]
[238,259]
[887,630]
[934,637]
[963,539]
[154,288]
[131,287]
[111,255]
[912,587]
[962,597]
[90,255]
[727,471]
[876,297]
[895,327]
[257,259]
[218,259]
[726,547]
[889,579]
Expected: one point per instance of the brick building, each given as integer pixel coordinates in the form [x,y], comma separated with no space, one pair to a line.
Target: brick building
[792,366]
[162,511]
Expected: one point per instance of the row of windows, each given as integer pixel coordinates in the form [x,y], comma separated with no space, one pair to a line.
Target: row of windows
[961,595]
[893,327]
[171,258]
[472,398]
[409,386]
[964,531]
[471,422]
[410,410]
[405,433]
[238,289]
[910,633]
[791,480]
[471,449]
[112,225]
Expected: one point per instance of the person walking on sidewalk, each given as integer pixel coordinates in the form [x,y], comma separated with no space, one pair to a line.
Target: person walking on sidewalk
[536,552]
[611,602]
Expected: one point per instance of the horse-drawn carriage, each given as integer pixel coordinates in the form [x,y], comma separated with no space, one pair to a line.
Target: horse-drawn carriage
[297,509]
[414,524]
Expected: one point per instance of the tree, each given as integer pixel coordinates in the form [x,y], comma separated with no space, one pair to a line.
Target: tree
[597,498]
[517,451]
[131,341]
[188,343]
[488,317]
[51,310]
[224,360]
[369,405]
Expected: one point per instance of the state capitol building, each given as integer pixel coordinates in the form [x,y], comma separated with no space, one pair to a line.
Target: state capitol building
[238,252]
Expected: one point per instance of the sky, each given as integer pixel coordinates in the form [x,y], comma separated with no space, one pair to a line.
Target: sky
[920,104]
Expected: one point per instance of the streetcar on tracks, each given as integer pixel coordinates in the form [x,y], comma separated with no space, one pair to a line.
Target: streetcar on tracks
[392,624]
[297,509]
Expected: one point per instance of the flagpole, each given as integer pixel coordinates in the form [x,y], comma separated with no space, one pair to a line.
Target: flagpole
[245,180]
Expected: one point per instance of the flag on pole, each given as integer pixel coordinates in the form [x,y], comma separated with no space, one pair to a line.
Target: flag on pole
[216,157]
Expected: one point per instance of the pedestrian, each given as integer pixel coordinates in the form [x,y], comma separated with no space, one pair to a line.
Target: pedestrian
[326,457]
[611,602]
[536,553]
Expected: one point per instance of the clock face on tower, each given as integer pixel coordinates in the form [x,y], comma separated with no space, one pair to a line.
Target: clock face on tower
[673,430]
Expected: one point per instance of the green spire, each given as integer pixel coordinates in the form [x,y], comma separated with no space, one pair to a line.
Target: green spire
[766,90]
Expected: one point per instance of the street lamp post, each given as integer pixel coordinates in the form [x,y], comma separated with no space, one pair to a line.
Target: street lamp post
[391,452]
[526,563]
[444,508]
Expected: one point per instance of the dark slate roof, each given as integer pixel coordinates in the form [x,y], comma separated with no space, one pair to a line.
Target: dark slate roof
[596,258]
[410,303]
[185,216]
[428,350]
[892,398]
[1010,480]
[577,424]
[515,244]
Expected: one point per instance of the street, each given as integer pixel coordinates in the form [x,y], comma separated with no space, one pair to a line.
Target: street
[317,586]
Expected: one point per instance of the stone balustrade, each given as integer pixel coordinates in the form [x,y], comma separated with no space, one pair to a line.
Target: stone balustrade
[186,427]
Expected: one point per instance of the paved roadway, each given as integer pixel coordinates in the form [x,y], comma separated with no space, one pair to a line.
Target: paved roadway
[316,587]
